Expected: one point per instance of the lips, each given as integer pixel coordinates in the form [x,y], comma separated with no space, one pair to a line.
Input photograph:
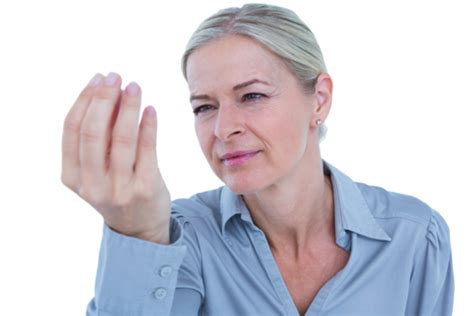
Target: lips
[238,158]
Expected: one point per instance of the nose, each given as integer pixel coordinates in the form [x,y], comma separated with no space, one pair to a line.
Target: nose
[229,122]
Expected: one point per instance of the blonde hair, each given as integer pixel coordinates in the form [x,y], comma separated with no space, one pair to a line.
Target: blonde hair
[278,29]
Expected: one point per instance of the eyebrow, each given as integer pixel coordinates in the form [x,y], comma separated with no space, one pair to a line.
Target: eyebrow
[235,88]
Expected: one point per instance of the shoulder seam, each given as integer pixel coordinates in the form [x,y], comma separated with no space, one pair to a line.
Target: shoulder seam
[416,219]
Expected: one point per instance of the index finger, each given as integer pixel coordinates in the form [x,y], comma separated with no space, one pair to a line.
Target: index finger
[71,133]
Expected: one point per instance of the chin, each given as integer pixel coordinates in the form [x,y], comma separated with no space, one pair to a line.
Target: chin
[240,184]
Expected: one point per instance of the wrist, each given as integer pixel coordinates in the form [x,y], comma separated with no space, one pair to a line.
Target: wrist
[159,235]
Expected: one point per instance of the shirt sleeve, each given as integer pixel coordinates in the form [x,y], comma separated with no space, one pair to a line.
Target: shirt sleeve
[432,281]
[137,277]
[190,286]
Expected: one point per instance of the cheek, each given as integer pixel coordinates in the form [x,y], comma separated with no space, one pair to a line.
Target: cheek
[283,127]
[288,131]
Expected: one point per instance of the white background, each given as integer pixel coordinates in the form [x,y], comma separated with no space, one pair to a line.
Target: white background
[401,119]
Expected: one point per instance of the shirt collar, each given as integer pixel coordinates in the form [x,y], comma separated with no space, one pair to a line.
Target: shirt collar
[351,210]
[232,204]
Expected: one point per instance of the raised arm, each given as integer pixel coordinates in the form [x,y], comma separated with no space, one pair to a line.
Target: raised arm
[110,161]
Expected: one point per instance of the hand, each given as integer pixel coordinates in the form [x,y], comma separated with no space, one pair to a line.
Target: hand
[111,162]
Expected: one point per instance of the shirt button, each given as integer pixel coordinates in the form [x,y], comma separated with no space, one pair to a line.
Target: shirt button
[229,241]
[165,271]
[160,293]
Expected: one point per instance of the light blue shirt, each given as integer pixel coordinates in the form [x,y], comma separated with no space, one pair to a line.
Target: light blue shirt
[220,263]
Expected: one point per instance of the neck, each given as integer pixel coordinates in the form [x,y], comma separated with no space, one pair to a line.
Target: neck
[297,211]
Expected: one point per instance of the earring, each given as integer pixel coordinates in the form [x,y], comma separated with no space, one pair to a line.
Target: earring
[318,122]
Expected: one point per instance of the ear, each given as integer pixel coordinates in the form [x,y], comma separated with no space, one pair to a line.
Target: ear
[322,98]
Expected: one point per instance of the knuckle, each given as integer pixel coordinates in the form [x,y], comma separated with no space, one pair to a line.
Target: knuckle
[148,142]
[146,194]
[121,199]
[131,103]
[125,140]
[71,125]
[145,190]
[89,134]
[105,93]
[86,94]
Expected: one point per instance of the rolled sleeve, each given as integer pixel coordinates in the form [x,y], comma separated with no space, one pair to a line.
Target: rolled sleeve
[137,277]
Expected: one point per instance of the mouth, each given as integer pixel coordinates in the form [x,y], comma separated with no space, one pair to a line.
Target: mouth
[238,158]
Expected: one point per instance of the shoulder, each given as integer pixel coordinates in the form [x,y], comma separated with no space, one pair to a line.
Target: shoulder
[405,212]
[386,204]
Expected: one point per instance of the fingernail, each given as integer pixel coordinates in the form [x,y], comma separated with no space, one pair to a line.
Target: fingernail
[111,79]
[150,111]
[132,89]
[95,81]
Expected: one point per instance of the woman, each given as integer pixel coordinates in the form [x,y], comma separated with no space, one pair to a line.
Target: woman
[288,234]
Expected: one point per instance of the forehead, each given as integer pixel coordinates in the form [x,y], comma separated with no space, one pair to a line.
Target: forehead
[231,60]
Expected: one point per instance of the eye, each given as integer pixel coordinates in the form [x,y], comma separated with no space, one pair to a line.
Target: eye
[202,109]
[252,96]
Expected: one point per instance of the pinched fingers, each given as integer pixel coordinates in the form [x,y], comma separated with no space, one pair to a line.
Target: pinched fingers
[110,160]
[124,135]
[147,162]
[70,172]
[95,132]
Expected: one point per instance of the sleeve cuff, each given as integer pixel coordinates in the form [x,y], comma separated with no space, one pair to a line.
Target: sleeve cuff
[137,276]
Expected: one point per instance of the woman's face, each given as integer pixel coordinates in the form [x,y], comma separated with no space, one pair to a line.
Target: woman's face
[253,121]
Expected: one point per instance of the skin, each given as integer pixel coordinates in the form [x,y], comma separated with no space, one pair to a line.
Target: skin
[283,185]
[110,161]
[280,124]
